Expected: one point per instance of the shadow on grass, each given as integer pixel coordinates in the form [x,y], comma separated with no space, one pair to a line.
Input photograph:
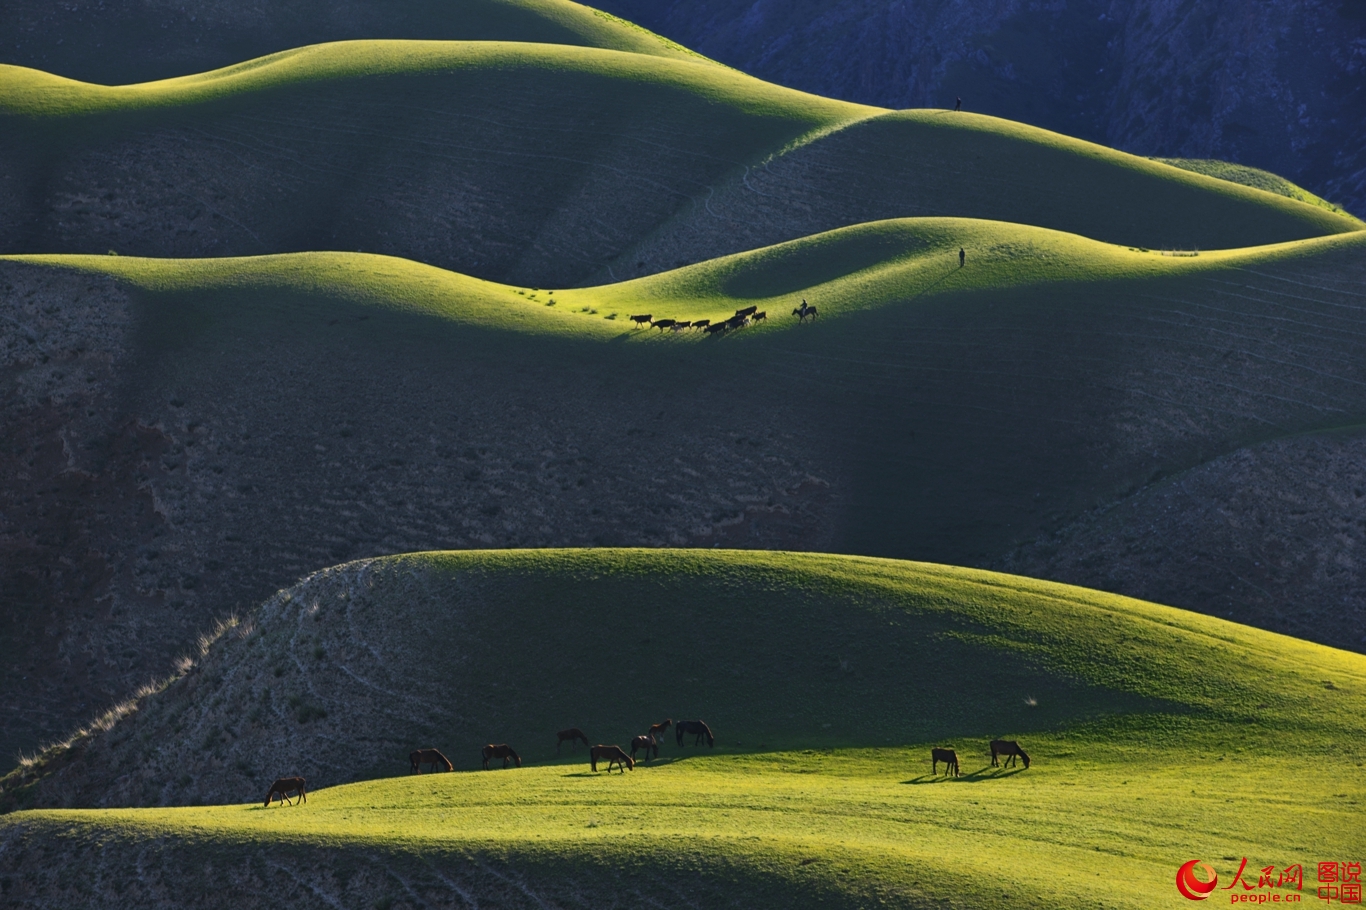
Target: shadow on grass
[981,775]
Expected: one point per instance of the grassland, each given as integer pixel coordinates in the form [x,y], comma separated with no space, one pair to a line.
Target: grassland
[1050,377]
[138,43]
[550,165]
[1156,736]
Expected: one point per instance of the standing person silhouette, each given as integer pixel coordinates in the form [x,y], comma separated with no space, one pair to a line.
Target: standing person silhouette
[959,105]
[962,256]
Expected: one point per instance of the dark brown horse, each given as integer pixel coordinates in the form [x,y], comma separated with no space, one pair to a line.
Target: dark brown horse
[614,756]
[804,312]
[428,757]
[695,727]
[642,320]
[573,734]
[503,751]
[948,757]
[647,742]
[1008,747]
[285,786]
[657,730]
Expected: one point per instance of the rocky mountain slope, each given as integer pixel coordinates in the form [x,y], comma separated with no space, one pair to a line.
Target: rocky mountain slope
[1276,85]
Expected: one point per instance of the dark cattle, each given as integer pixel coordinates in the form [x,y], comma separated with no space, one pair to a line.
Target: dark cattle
[680,326]
[657,730]
[285,786]
[662,324]
[1009,748]
[747,311]
[503,751]
[761,316]
[701,323]
[696,727]
[735,322]
[715,327]
[643,320]
[948,757]
[573,734]
[647,742]
[428,757]
[614,756]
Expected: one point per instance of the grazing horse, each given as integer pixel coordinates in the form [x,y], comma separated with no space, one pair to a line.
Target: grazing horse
[948,757]
[747,311]
[1007,747]
[647,319]
[662,324]
[614,756]
[761,316]
[428,757]
[573,734]
[647,742]
[806,311]
[701,323]
[503,751]
[657,730]
[285,786]
[693,726]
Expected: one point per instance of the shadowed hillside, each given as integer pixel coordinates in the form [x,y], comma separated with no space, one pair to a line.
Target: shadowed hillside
[818,780]
[186,437]
[552,166]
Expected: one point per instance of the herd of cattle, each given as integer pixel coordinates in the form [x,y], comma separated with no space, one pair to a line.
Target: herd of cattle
[615,756]
[747,316]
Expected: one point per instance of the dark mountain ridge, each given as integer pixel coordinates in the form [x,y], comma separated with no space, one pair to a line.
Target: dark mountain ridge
[1276,85]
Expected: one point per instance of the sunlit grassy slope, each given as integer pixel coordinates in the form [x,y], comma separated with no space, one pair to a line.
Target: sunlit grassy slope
[1250,176]
[860,268]
[1048,376]
[140,42]
[543,164]
[1156,735]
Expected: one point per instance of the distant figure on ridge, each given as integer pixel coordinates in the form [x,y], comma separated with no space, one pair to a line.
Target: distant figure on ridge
[962,256]
[959,105]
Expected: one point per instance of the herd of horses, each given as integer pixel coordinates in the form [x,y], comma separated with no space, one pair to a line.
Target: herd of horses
[747,316]
[616,756]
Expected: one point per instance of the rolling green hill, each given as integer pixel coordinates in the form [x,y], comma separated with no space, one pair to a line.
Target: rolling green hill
[1155,736]
[552,165]
[170,416]
[142,40]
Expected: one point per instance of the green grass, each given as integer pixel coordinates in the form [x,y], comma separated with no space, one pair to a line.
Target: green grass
[888,264]
[1250,176]
[1156,735]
